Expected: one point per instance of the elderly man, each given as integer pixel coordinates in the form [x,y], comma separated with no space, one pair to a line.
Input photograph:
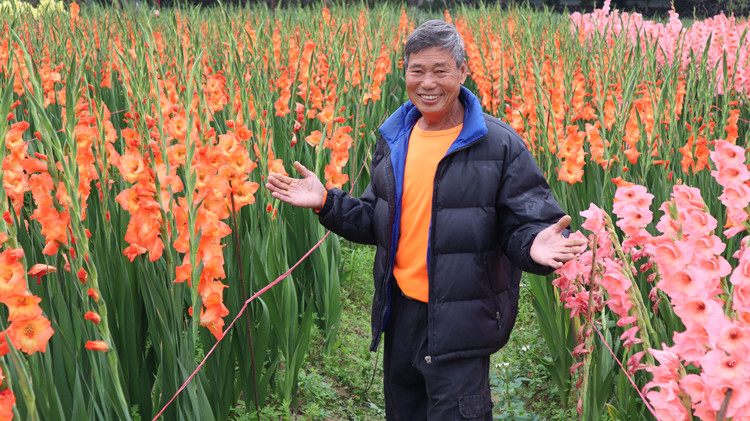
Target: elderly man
[457,208]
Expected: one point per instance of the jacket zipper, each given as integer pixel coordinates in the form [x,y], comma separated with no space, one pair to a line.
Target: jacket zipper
[430,298]
[391,257]
[498,315]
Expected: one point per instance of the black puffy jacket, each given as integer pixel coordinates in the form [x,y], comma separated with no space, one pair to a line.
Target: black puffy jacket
[489,202]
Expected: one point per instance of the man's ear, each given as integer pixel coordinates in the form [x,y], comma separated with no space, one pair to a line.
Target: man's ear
[463,71]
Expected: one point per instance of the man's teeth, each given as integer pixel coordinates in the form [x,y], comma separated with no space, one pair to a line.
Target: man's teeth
[430,97]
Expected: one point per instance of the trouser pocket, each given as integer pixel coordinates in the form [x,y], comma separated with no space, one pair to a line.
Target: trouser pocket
[475,406]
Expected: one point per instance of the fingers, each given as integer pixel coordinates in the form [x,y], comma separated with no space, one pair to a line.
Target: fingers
[562,223]
[277,182]
[301,170]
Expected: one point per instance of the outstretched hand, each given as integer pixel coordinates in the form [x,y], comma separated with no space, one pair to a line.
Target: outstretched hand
[305,192]
[551,249]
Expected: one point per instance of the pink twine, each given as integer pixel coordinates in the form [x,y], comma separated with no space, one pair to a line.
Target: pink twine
[111,113]
[242,310]
[739,119]
[645,401]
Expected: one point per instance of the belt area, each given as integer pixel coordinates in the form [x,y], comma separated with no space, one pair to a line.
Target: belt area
[394,284]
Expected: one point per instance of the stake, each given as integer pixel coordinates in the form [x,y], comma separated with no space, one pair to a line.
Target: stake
[244,298]
[723,411]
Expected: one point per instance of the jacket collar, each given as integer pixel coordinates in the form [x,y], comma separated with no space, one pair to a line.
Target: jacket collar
[398,126]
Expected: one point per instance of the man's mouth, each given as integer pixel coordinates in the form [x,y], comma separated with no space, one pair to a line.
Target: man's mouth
[429,97]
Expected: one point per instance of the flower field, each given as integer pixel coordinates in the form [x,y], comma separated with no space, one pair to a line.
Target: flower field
[134,228]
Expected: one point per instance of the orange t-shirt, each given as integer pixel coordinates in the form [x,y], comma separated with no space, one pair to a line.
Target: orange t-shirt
[426,149]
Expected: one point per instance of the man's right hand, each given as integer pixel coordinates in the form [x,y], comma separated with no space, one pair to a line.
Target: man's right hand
[305,192]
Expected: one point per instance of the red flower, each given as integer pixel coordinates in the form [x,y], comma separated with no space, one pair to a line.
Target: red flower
[82,275]
[100,346]
[94,317]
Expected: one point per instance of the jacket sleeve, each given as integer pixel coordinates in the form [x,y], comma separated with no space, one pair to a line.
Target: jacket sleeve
[348,216]
[526,207]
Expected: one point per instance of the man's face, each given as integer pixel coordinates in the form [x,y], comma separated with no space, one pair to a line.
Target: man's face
[433,82]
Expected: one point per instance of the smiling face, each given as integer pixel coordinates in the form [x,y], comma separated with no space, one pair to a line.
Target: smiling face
[433,82]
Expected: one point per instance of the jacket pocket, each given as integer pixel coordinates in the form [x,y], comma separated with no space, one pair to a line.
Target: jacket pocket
[475,406]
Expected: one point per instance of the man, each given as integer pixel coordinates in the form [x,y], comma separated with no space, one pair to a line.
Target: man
[457,208]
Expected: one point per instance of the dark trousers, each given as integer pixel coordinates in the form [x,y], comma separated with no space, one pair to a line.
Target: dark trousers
[417,390]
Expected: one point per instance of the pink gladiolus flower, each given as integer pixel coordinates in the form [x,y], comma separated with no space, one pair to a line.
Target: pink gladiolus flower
[694,386]
[736,196]
[727,155]
[731,176]
[699,311]
[715,268]
[667,404]
[630,338]
[577,303]
[669,255]
[709,246]
[669,362]
[634,195]
[626,321]
[691,344]
[687,197]
[725,369]
[698,222]
[595,218]
[735,229]
[733,338]
[633,217]
[634,362]
[741,273]
[620,304]
[683,283]
[667,225]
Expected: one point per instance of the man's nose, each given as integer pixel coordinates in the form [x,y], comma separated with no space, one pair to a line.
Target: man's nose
[428,81]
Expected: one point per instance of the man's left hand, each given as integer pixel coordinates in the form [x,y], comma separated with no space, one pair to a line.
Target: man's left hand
[551,249]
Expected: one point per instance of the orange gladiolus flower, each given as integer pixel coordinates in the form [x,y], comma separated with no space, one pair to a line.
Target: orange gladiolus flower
[277,166]
[183,273]
[3,344]
[313,139]
[14,138]
[570,172]
[94,317]
[99,346]
[23,306]
[134,250]
[82,275]
[244,194]
[334,177]
[177,127]
[30,335]
[12,281]
[7,400]
[39,270]
[94,294]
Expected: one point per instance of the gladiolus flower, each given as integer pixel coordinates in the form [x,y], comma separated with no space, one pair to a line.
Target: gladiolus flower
[39,270]
[94,294]
[7,400]
[99,346]
[3,344]
[82,275]
[30,335]
[94,317]
[23,306]
[314,138]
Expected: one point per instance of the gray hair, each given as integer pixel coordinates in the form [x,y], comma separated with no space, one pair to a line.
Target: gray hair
[435,33]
